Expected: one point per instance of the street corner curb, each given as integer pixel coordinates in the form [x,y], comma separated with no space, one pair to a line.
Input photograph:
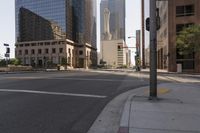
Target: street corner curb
[123,130]
[125,118]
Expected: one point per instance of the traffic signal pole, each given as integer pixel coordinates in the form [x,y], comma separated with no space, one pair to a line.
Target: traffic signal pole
[153,51]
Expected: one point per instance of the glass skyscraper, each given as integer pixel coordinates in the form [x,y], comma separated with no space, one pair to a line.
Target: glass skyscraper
[55,19]
[53,11]
[117,18]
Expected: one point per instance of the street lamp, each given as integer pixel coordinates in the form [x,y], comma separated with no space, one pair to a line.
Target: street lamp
[137,56]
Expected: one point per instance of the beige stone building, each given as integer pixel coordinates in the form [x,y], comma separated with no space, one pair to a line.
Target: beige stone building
[51,53]
[176,15]
[115,53]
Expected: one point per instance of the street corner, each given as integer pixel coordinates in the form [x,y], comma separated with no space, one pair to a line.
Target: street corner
[123,130]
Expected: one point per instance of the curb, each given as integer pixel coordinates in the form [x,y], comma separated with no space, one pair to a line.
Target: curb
[125,118]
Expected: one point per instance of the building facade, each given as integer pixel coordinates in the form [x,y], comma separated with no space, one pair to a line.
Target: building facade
[174,17]
[64,22]
[115,53]
[117,18]
[112,28]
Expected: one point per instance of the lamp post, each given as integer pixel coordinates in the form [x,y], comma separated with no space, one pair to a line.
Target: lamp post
[143,34]
[137,56]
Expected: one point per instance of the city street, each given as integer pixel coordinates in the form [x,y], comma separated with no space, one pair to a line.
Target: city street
[58,102]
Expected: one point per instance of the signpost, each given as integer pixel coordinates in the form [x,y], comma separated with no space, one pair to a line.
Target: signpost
[7,54]
[153,50]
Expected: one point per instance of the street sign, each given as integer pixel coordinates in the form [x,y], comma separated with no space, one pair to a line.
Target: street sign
[6,44]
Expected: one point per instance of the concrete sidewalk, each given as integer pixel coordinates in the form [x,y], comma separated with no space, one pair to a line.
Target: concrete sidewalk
[176,111]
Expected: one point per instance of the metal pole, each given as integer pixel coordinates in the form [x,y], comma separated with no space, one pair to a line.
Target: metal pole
[153,51]
[143,35]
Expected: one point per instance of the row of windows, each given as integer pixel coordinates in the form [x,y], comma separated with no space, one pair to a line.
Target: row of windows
[185,10]
[40,51]
[39,44]
[47,51]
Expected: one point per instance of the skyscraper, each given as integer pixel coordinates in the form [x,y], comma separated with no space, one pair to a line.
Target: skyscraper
[117,18]
[55,22]
[84,21]
[112,18]
[50,10]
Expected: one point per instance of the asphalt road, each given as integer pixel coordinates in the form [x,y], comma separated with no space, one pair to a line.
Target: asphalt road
[57,102]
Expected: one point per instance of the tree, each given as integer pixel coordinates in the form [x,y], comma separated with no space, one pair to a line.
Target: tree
[15,62]
[188,40]
[2,63]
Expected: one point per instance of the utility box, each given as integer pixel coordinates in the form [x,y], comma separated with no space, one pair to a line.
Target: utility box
[179,68]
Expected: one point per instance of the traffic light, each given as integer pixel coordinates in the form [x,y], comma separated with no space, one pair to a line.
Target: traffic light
[7,50]
[157,23]
[148,24]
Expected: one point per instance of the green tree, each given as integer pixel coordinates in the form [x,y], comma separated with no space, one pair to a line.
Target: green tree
[188,40]
[2,63]
[15,62]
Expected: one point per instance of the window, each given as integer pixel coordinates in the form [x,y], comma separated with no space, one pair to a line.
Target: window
[27,45]
[32,51]
[33,44]
[187,61]
[119,47]
[53,50]
[80,52]
[61,50]
[186,10]
[39,51]
[47,51]
[26,52]
[20,52]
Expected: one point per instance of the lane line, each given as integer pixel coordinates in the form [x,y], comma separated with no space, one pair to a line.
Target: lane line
[52,93]
[63,78]
[90,79]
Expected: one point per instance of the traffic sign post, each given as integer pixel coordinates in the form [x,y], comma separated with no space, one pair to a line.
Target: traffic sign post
[7,54]
[153,50]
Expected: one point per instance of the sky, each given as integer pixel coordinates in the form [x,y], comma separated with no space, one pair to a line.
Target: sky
[7,23]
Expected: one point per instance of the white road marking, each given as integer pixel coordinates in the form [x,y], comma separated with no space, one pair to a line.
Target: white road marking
[90,79]
[52,93]
[67,78]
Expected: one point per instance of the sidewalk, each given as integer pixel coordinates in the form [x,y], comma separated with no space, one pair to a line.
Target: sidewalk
[176,111]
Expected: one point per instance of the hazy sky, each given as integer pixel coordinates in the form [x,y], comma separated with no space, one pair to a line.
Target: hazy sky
[7,23]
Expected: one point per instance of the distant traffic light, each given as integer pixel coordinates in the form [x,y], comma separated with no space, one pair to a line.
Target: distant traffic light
[7,50]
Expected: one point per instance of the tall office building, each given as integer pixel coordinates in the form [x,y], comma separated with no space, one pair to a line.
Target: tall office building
[40,24]
[112,18]
[117,18]
[84,21]
[174,17]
